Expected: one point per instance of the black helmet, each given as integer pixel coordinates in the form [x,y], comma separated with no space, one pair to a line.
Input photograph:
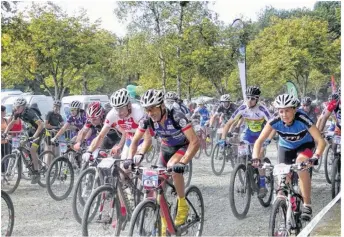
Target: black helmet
[306,101]
[334,96]
[253,91]
[57,103]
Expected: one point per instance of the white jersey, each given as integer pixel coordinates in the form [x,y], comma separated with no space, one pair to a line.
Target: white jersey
[254,117]
[129,124]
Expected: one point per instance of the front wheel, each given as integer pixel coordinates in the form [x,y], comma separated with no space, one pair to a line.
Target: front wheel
[43,160]
[6,205]
[11,171]
[208,145]
[328,159]
[145,220]
[240,192]
[218,159]
[335,178]
[269,184]
[60,178]
[278,222]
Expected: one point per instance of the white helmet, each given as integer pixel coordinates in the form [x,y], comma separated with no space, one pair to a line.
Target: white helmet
[225,98]
[19,102]
[285,101]
[75,104]
[171,95]
[152,97]
[120,98]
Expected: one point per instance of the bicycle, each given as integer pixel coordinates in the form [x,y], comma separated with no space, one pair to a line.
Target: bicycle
[329,155]
[121,204]
[247,178]
[7,231]
[154,180]
[11,164]
[335,175]
[205,139]
[63,174]
[229,152]
[288,200]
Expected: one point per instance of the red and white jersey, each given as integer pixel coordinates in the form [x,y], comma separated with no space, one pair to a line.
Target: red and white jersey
[129,124]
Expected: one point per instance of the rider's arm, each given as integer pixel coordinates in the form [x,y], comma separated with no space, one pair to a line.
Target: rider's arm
[123,132]
[318,140]
[193,145]
[323,119]
[62,130]
[99,139]
[267,130]
[140,132]
[82,134]
[10,125]
[147,142]
[236,116]
[272,134]
[212,118]
[46,121]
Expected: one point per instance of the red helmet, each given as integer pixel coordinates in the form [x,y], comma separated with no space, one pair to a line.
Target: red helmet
[94,110]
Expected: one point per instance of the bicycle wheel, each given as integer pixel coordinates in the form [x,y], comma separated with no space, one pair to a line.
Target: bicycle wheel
[83,189]
[10,172]
[240,184]
[269,184]
[102,213]
[188,174]
[145,220]
[196,211]
[208,145]
[279,213]
[6,207]
[328,159]
[335,178]
[42,162]
[218,159]
[60,179]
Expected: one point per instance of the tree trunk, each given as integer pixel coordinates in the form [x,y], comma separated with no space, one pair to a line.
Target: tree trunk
[180,34]
[84,85]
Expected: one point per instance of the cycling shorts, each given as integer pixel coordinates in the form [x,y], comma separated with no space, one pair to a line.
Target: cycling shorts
[166,153]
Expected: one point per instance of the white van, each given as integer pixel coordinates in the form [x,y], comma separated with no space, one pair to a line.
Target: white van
[84,99]
[7,94]
[44,103]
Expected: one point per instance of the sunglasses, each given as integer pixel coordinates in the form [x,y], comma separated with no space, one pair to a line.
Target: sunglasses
[149,109]
[251,97]
[73,110]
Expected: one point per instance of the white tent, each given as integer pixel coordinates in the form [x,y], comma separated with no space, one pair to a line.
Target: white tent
[206,99]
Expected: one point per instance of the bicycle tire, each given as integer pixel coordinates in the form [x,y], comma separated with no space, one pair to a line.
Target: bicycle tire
[198,192]
[77,194]
[10,206]
[19,171]
[267,202]
[147,203]
[335,178]
[216,151]
[43,164]
[88,206]
[57,174]
[211,144]
[279,202]
[232,191]
[326,161]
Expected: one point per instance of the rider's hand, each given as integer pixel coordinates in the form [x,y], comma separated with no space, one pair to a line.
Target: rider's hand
[53,140]
[87,156]
[77,146]
[179,168]
[115,150]
[3,135]
[256,162]
[221,142]
[138,158]
[315,159]
[127,163]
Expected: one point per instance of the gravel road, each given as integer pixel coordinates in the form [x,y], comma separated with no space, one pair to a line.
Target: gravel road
[37,214]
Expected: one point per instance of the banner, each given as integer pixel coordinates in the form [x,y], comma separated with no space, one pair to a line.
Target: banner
[291,89]
[242,69]
[333,84]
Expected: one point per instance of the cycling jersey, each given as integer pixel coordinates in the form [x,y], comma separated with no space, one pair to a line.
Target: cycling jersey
[227,112]
[296,134]
[172,132]
[77,121]
[181,107]
[54,119]
[311,114]
[204,113]
[254,117]
[28,116]
[335,107]
[129,124]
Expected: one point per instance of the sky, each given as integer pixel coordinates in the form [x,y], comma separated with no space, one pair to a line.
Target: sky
[228,10]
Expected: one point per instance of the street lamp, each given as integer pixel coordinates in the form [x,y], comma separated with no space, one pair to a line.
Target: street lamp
[239,25]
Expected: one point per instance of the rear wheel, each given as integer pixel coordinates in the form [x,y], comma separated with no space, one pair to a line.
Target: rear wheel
[10,172]
[218,159]
[328,159]
[335,178]
[43,160]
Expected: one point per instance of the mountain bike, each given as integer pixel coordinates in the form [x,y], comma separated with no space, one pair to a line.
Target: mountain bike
[7,208]
[335,171]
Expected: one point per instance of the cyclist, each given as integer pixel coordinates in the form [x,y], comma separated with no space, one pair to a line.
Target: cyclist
[76,119]
[333,108]
[53,120]
[172,101]
[306,106]
[297,134]
[255,116]
[203,112]
[179,144]
[124,116]
[29,115]
[225,110]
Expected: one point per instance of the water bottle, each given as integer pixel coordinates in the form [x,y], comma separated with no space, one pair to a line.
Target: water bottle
[261,181]
[293,203]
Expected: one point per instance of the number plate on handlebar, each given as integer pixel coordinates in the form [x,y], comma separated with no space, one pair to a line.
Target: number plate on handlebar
[106,163]
[15,142]
[63,147]
[336,139]
[243,150]
[281,169]
[150,179]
